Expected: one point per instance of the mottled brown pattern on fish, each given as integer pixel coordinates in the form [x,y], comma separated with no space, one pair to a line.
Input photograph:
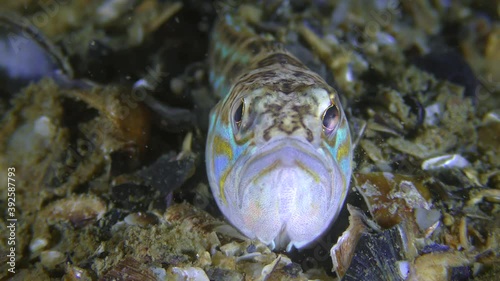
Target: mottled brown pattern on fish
[294,119]
[270,68]
[245,42]
[278,74]
[249,52]
[280,58]
[281,78]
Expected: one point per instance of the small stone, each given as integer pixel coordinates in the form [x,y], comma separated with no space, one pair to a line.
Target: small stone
[50,259]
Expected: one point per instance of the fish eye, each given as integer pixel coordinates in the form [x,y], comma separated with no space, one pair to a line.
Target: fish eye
[238,114]
[331,118]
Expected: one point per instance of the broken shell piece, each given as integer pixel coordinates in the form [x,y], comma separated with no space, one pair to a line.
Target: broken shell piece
[268,269]
[130,269]
[487,137]
[231,249]
[427,220]
[203,258]
[224,274]
[196,219]
[141,219]
[50,259]
[111,10]
[75,273]
[38,244]
[44,127]
[374,126]
[392,198]
[26,55]
[188,273]
[491,117]
[79,210]
[364,252]
[373,151]
[491,195]
[445,162]
[452,265]
[433,114]
[418,150]
[222,261]
[342,252]
[192,217]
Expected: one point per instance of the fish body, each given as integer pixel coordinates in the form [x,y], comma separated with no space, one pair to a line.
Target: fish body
[278,152]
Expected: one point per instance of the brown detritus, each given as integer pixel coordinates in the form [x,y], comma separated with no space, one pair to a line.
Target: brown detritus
[78,210]
[491,195]
[129,120]
[392,198]
[129,269]
[141,219]
[438,266]
[75,273]
[342,252]
[488,140]
[365,250]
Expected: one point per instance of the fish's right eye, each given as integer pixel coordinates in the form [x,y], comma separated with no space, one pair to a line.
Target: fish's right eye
[331,118]
[238,114]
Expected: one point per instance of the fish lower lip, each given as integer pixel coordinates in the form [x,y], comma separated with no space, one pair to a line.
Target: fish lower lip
[287,155]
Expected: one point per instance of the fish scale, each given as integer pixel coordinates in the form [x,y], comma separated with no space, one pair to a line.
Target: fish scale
[235,48]
[279,152]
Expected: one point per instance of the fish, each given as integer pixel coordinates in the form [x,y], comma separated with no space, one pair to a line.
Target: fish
[279,150]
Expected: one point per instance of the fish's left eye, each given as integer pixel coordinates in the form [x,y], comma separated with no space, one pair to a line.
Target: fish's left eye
[331,118]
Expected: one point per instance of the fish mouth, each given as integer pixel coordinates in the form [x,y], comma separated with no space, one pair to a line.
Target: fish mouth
[286,192]
[287,165]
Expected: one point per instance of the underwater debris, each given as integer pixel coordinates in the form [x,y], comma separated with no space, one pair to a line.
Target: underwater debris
[153,184]
[366,252]
[438,266]
[75,273]
[77,211]
[130,269]
[188,273]
[404,203]
[26,55]
[141,219]
[488,140]
[51,259]
[224,274]
[392,198]
[445,162]
[491,195]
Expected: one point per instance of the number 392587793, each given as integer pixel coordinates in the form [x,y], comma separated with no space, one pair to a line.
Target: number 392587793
[11,192]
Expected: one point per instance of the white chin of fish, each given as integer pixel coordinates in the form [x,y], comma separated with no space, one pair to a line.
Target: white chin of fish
[285,196]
